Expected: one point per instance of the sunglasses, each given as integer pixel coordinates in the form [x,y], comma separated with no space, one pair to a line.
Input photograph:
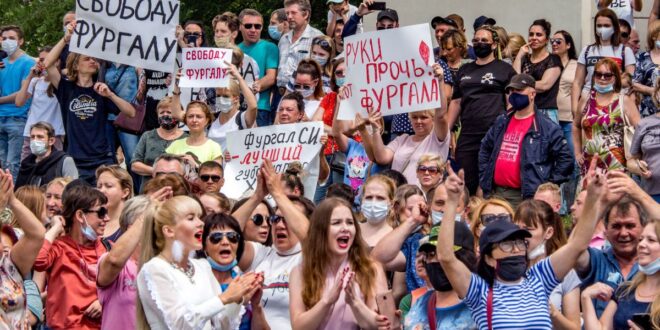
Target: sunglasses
[507,246]
[604,75]
[322,43]
[275,219]
[488,218]
[249,26]
[258,219]
[206,177]
[101,212]
[216,237]
[556,41]
[303,87]
[430,169]
[192,34]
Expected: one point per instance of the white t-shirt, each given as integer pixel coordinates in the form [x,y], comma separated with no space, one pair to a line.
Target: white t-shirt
[351,11]
[43,108]
[570,282]
[218,132]
[623,10]
[310,107]
[407,152]
[597,53]
[277,267]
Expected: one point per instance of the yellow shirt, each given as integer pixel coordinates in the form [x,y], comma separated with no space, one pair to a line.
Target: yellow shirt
[210,150]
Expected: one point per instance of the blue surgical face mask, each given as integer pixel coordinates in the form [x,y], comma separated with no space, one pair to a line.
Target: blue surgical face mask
[274,32]
[603,89]
[657,44]
[437,216]
[320,60]
[88,231]
[340,81]
[221,268]
[651,268]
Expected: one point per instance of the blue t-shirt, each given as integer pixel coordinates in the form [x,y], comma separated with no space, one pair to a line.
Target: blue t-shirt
[515,306]
[11,78]
[604,268]
[409,250]
[356,168]
[123,80]
[456,317]
[267,56]
[627,306]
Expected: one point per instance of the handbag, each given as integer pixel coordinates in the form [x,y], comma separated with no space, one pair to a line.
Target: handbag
[628,131]
[133,125]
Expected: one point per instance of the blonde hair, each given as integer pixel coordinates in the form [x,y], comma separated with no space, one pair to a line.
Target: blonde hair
[430,112]
[475,221]
[164,102]
[62,181]
[157,216]
[516,41]
[33,198]
[426,158]
[551,187]
[390,186]
[125,179]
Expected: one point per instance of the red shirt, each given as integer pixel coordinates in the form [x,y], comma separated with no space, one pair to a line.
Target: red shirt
[328,104]
[507,166]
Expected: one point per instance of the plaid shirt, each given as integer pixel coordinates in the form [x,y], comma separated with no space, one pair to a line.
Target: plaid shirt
[292,53]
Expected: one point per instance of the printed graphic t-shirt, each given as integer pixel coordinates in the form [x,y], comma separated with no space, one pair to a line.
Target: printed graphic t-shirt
[507,165]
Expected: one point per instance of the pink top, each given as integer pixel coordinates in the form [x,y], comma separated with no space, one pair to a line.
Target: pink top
[597,241]
[407,152]
[341,315]
[118,299]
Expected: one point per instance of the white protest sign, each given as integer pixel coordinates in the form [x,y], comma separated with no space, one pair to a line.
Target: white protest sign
[140,33]
[282,144]
[205,67]
[389,71]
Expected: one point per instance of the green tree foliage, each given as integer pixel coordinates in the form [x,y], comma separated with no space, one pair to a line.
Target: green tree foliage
[42,19]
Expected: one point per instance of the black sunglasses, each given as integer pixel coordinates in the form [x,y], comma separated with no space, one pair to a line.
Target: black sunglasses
[258,219]
[625,35]
[556,41]
[303,87]
[192,34]
[274,219]
[249,26]
[101,212]
[206,177]
[232,237]
[489,218]
[322,43]
[604,75]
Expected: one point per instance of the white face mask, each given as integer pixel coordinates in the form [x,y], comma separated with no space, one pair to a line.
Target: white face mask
[437,216]
[605,33]
[10,46]
[223,104]
[537,251]
[38,148]
[320,59]
[306,93]
[375,211]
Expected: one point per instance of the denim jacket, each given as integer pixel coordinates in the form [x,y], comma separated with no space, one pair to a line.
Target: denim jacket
[545,155]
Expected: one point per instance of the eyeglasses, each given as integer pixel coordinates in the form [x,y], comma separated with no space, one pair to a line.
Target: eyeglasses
[275,219]
[232,237]
[258,219]
[430,169]
[249,26]
[604,75]
[192,34]
[101,212]
[556,41]
[625,35]
[303,87]
[206,177]
[488,218]
[507,246]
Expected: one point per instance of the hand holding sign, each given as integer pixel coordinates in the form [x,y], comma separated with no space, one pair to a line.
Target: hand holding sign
[206,67]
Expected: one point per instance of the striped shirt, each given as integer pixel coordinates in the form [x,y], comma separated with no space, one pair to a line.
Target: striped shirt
[515,306]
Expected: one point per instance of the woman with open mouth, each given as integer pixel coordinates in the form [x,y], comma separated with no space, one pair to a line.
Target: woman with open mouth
[175,290]
[258,228]
[335,286]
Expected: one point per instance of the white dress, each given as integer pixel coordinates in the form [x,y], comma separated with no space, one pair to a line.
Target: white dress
[171,301]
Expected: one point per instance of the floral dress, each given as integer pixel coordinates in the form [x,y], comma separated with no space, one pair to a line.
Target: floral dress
[646,73]
[13,299]
[602,135]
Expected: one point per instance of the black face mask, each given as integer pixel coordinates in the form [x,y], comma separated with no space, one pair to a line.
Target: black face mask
[437,277]
[482,50]
[511,268]
[167,122]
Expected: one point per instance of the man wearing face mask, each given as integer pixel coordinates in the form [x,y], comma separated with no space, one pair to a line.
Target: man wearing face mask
[523,149]
[441,308]
[44,163]
[17,67]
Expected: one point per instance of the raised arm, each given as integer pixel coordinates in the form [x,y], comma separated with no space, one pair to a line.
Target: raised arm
[25,251]
[457,273]
[50,62]
[112,264]
[382,154]
[517,62]
[177,109]
[440,126]
[619,183]
[388,250]
[338,128]
[295,220]
[248,96]
[23,95]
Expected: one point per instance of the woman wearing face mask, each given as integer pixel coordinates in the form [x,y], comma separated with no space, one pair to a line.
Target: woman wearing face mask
[377,200]
[488,211]
[323,51]
[478,99]
[223,246]
[548,236]
[289,226]
[641,295]
[116,184]
[336,284]
[153,143]
[307,80]
[430,170]
[598,121]
[227,103]
[441,308]
[608,45]
[175,290]
[503,285]
[646,72]
[258,228]
[535,60]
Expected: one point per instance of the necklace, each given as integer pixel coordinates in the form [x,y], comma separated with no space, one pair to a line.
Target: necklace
[189,272]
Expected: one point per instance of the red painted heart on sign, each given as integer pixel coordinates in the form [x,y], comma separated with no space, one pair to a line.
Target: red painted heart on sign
[424,51]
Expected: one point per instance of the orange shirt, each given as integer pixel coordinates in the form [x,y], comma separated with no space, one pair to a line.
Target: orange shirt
[72,270]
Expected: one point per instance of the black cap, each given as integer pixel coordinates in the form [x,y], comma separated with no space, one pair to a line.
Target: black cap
[463,238]
[498,231]
[388,13]
[483,20]
[521,81]
[443,20]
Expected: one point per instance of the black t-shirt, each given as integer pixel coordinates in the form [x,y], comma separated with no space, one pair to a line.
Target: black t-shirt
[547,99]
[156,90]
[85,114]
[481,90]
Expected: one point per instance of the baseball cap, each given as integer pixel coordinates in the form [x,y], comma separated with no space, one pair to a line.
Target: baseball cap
[443,20]
[388,13]
[463,238]
[521,81]
[483,20]
[498,231]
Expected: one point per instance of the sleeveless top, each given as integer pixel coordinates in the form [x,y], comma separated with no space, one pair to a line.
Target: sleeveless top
[341,315]
[602,135]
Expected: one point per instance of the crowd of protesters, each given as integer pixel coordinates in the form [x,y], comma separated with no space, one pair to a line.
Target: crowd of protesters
[528,200]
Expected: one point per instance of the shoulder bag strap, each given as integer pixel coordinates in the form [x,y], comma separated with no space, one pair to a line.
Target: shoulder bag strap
[489,308]
[430,311]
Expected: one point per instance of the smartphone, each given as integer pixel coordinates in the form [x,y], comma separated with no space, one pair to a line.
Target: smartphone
[642,320]
[377,5]
[385,302]
[191,40]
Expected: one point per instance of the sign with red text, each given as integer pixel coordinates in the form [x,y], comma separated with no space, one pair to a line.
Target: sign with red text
[389,71]
[282,144]
[205,67]
[133,32]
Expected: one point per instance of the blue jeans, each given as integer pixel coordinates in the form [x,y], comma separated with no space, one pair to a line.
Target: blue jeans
[265,117]
[128,144]
[11,143]
[568,188]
